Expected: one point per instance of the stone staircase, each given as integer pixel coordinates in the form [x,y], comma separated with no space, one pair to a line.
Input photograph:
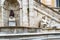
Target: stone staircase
[47,9]
[48,12]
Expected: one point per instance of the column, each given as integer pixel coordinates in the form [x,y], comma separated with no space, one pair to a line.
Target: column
[21,12]
[31,13]
[2,2]
[25,13]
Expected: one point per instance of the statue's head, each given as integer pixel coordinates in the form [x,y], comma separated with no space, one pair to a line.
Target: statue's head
[11,13]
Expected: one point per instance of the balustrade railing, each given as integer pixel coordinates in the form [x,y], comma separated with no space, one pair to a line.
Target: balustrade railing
[47,9]
[18,30]
[30,36]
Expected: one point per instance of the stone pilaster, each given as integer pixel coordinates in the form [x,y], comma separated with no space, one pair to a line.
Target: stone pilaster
[25,13]
[31,13]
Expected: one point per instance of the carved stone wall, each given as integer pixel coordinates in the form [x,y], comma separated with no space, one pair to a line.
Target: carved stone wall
[7,6]
[24,11]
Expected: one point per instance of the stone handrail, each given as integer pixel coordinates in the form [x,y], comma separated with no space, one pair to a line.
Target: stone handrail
[47,9]
[46,35]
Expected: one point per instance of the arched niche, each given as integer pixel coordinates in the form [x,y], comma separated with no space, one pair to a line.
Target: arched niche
[9,5]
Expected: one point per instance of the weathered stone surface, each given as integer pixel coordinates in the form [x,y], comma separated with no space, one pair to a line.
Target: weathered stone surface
[23,16]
